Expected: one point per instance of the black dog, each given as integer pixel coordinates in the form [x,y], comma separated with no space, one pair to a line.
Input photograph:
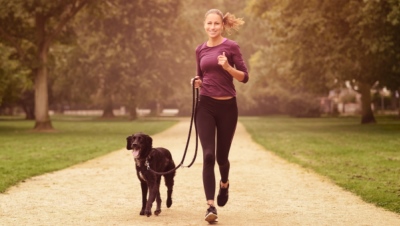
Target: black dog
[159,160]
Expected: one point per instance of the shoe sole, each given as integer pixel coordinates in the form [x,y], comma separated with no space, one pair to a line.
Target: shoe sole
[211,218]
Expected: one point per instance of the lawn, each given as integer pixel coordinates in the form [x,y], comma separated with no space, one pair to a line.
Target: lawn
[24,153]
[364,159]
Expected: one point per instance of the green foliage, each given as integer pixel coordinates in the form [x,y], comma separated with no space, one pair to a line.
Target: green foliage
[113,52]
[14,79]
[125,49]
[31,28]
[303,106]
[311,44]
[20,29]
[24,154]
[121,48]
[363,159]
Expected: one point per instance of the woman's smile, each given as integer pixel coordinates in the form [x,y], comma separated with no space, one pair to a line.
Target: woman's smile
[213,25]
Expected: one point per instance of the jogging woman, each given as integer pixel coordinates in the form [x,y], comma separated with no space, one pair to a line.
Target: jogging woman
[219,62]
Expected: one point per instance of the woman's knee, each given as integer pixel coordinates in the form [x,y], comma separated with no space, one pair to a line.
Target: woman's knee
[223,162]
[209,159]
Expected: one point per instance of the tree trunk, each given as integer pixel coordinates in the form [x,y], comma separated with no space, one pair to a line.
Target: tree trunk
[29,111]
[108,108]
[367,115]
[398,102]
[41,100]
[132,107]
[41,93]
[27,103]
[132,113]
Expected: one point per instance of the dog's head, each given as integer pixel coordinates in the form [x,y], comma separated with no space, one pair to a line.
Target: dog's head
[140,144]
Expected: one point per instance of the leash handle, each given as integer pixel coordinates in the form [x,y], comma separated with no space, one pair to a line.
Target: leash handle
[193,82]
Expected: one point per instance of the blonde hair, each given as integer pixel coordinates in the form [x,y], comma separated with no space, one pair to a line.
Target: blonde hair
[230,21]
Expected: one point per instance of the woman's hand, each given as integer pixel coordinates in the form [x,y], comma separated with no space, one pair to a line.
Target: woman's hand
[197,82]
[223,61]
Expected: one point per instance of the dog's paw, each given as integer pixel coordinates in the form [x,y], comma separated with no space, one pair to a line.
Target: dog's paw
[169,202]
[157,212]
[147,213]
[142,212]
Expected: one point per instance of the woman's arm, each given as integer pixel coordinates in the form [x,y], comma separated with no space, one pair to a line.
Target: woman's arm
[238,75]
[239,71]
[196,79]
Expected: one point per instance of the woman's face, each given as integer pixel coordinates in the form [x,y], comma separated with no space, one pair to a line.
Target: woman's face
[213,25]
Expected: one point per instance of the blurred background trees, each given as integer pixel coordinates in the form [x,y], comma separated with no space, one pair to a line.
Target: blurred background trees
[31,28]
[315,46]
[84,54]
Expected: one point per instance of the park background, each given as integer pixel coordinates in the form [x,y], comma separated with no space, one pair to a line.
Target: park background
[326,73]
[306,58]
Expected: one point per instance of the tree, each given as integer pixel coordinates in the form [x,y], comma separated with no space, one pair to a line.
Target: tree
[73,84]
[348,40]
[371,38]
[292,63]
[133,52]
[16,84]
[31,27]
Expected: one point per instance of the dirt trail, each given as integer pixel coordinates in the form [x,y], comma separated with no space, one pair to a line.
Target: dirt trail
[264,190]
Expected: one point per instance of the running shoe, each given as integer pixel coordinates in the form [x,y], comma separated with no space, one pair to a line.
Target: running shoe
[211,215]
[223,195]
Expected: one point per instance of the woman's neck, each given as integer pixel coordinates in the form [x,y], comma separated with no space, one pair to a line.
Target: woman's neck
[215,41]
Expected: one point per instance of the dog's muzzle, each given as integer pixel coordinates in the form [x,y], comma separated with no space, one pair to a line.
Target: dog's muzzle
[135,150]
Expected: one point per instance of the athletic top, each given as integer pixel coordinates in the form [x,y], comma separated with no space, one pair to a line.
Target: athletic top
[217,82]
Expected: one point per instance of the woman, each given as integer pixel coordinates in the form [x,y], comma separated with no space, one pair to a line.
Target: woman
[219,61]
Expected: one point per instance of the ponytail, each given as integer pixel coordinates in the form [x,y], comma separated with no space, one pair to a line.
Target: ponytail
[232,23]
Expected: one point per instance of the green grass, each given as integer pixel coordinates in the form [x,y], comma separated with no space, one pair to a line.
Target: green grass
[364,159]
[24,153]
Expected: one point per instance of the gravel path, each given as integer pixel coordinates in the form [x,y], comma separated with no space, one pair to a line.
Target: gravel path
[264,190]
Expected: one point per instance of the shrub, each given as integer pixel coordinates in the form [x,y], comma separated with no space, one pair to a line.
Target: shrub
[303,106]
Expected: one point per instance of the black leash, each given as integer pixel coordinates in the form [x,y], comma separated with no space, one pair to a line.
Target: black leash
[195,97]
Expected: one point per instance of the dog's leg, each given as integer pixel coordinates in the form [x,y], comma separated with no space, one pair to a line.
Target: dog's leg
[152,197]
[158,197]
[144,187]
[169,182]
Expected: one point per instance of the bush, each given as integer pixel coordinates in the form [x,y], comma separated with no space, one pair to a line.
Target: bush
[303,106]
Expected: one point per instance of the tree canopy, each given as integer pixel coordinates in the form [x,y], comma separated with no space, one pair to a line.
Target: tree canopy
[108,54]
[31,28]
[313,43]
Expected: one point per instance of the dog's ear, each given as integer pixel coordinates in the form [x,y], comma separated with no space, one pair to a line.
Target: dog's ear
[149,141]
[129,143]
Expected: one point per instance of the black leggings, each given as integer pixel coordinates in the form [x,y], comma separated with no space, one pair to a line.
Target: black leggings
[216,124]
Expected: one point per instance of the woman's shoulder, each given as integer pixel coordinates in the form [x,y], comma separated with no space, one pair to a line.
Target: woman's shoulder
[232,45]
[231,42]
[201,46]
